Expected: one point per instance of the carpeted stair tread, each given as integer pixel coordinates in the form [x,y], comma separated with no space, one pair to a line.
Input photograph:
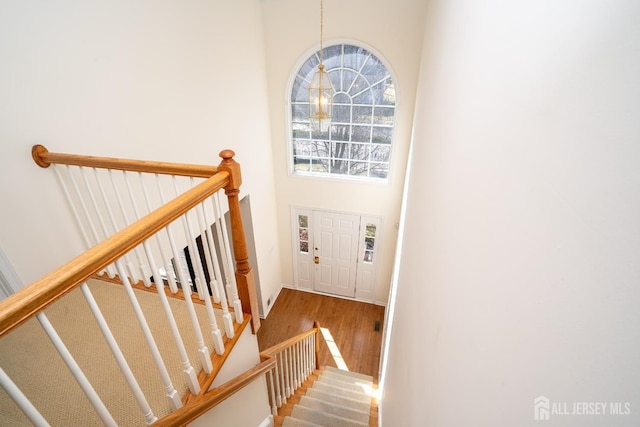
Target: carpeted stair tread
[295,422]
[336,371]
[327,388]
[346,378]
[361,386]
[335,409]
[323,418]
[339,400]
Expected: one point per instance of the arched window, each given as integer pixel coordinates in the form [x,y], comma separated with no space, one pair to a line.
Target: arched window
[358,142]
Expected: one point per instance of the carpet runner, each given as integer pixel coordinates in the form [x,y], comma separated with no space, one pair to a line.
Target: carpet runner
[336,399]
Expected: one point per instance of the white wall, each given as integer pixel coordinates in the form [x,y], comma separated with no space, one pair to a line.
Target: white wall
[520,261]
[394,31]
[249,406]
[160,80]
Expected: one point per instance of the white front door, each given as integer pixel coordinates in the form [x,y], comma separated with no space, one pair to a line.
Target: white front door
[335,252]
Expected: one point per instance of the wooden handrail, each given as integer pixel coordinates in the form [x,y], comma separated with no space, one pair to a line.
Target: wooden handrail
[44,159]
[208,400]
[272,351]
[19,307]
[211,398]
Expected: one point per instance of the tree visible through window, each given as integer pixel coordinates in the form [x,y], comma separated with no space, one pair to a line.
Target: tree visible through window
[358,142]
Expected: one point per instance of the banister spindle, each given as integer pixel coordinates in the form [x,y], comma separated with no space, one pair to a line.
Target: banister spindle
[114,225]
[187,369]
[296,349]
[94,203]
[72,205]
[203,350]
[76,371]
[138,394]
[218,344]
[88,217]
[172,394]
[137,251]
[147,274]
[283,377]
[203,226]
[21,400]
[277,381]
[226,316]
[227,260]
[165,260]
[272,397]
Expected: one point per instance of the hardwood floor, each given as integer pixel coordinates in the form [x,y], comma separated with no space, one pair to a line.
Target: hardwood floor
[350,323]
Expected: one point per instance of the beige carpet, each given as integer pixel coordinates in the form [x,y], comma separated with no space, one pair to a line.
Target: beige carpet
[31,361]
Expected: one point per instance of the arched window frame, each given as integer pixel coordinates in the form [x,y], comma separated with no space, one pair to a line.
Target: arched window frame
[332,139]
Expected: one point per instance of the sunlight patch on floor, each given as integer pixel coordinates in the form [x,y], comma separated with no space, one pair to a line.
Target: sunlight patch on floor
[333,348]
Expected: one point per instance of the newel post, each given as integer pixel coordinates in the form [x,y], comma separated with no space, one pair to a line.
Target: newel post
[244,273]
[316,326]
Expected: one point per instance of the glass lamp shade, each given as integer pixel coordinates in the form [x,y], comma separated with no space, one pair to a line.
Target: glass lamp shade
[320,100]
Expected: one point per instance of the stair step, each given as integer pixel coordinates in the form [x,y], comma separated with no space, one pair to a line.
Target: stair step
[295,422]
[337,371]
[339,400]
[363,397]
[335,409]
[346,378]
[324,419]
[361,387]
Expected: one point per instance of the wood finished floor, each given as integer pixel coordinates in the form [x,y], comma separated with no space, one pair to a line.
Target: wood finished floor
[350,323]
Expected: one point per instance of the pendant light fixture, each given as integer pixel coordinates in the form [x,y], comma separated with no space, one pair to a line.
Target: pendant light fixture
[320,92]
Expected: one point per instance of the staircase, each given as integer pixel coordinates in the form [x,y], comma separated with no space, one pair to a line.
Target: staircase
[331,397]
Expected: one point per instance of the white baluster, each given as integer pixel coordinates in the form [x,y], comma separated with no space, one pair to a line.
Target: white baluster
[310,366]
[137,251]
[226,316]
[118,356]
[77,373]
[109,268]
[300,363]
[294,372]
[188,371]
[305,357]
[202,289]
[97,210]
[21,400]
[296,350]
[114,225]
[294,380]
[227,259]
[165,260]
[203,351]
[72,205]
[204,236]
[287,358]
[218,344]
[283,377]
[272,397]
[277,381]
[172,394]
[143,266]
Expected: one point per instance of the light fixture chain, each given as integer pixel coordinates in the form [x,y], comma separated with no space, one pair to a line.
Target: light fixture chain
[321,26]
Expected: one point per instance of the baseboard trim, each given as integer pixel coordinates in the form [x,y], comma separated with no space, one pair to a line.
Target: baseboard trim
[275,298]
[267,422]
